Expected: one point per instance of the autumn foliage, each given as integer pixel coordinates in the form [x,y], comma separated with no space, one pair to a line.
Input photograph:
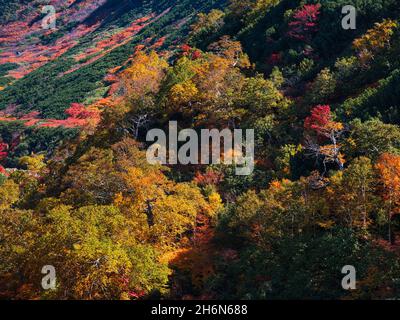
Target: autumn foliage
[77,190]
[304,22]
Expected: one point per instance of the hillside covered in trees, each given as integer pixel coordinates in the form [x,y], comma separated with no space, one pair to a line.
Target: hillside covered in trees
[78,193]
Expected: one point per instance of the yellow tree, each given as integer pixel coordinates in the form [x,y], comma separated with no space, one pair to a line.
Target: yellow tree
[375,40]
[144,75]
[352,194]
[207,23]
[141,81]
[162,210]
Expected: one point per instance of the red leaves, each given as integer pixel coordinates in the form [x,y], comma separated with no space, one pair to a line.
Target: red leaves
[3,155]
[78,111]
[137,294]
[32,55]
[320,117]
[321,123]
[210,177]
[3,171]
[275,58]
[196,55]
[14,49]
[304,22]
[116,40]
[190,52]
[159,43]
[79,116]
[185,49]
[3,150]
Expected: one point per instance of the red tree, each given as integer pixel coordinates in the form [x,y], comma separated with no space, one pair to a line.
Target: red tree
[185,48]
[304,22]
[210,177]
[3,171]
[3,150]
[318,121]
[78,111]
[196,55]
[275,58]
[324,140]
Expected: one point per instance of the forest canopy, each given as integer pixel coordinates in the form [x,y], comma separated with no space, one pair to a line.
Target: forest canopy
[78,193]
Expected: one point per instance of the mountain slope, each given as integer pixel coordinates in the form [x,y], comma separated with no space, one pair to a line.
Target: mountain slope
[55,69]
[323,102]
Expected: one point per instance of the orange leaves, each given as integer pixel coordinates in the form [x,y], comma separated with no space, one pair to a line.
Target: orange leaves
[388,167]
[232,51]
[145,184]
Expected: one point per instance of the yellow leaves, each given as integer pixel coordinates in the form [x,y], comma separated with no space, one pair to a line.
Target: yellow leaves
[375,40]
[9,194]
[34,163]
[118,199]
[207,22]
[144,185]
[167,209]
[326,224]
[170,256]
[335,126]
[323,86]
[210,76]
[77,246]
[144,75]
[18,249]
[215,203]
[262,5]
[232,51]
[330,151]
[124,296]
[183,93]
[250,10]
[351,143]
